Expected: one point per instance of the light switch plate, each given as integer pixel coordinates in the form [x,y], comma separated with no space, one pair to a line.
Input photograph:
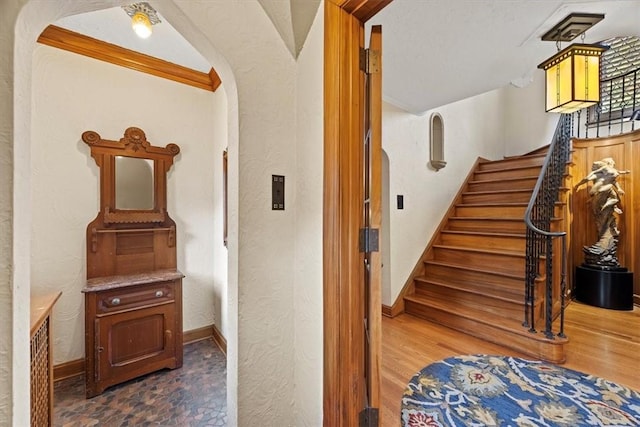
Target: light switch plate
[277,192]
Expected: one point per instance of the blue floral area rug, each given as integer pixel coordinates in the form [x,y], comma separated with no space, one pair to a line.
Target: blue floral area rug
[506,391]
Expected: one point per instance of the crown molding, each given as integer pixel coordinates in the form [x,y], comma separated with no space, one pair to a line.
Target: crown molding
[71,41]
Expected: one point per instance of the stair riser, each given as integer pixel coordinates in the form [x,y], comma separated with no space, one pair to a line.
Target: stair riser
[483,241]
[481,260]
[518,184]
[504,211]
[512,163]
[507,173]
[549,351]
[494,226]
[509,309]
[511,197]
[491,211]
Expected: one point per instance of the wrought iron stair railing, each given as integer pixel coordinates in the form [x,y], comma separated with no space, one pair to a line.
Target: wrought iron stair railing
[540,238]
[619,98]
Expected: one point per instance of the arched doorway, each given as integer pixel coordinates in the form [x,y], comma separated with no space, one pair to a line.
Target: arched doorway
[32,19]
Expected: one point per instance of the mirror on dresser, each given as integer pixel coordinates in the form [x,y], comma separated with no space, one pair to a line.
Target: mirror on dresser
[133,294]
[134,183]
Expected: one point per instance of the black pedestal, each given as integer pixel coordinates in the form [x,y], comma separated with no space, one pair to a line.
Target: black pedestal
[604,287]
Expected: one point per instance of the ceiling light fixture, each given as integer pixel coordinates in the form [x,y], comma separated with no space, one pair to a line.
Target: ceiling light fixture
[572,74]
[143,16]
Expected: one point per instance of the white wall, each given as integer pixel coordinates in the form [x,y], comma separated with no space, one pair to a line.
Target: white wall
[472,129]
[77,93]
[308,229]
[8,326]
[526,125]
[264,245]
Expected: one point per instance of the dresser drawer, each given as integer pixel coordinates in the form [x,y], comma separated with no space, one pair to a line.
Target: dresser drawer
[134,297]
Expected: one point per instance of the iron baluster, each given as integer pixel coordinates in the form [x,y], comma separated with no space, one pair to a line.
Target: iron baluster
[538,218]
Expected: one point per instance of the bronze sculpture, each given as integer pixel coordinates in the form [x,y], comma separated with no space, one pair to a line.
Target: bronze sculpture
[605,193]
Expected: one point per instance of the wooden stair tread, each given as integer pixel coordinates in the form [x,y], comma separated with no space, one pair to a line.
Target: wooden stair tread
[519,178]
[494,218]
[507,168]
[469,268]
[540,151]
[532,154]
[506,192]
[492,320]
[514,159]
[511,295]
[493,204]
[481,250]
[484,233]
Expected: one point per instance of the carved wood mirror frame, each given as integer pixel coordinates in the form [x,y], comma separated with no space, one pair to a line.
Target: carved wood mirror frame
[134,144]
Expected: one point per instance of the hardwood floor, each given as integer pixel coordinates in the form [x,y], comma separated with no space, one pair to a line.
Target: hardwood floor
[602,342]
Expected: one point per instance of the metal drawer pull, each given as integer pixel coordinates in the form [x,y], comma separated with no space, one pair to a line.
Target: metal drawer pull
[115,301]
[159,294]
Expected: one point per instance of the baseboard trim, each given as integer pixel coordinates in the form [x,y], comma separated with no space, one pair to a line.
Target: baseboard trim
[386,310]
[219,339]
[395,309]
[199,334]
[69,369]
[75,368]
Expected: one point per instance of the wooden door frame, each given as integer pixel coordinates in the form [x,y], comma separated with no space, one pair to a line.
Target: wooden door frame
[343,313]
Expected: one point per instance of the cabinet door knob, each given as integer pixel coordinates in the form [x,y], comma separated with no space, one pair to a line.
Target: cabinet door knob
[159,294]
[115,301]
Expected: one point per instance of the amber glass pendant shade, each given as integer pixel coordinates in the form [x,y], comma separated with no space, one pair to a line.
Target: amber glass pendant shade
[573,78]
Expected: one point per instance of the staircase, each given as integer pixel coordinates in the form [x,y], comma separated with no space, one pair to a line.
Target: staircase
[472,275]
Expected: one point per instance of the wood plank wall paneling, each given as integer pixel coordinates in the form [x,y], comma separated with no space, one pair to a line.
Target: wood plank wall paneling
[78,43]
[625,151]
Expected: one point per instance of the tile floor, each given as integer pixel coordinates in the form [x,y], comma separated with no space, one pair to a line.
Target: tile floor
[194,395]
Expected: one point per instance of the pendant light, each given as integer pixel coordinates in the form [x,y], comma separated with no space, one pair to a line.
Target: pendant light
[572,75]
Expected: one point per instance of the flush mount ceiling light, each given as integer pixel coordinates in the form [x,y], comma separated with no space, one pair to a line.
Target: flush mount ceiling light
[143,16]
[572,74]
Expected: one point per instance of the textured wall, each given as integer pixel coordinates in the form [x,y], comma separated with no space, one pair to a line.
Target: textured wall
[308,228]
[472,128]
[8,13]
[75,94]
[264,72]
[527,126]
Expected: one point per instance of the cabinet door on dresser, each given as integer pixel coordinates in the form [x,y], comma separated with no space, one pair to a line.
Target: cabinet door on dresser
[135,342]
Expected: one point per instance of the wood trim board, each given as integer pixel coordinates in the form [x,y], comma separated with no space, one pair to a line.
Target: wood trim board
[71,41]
[344,391]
